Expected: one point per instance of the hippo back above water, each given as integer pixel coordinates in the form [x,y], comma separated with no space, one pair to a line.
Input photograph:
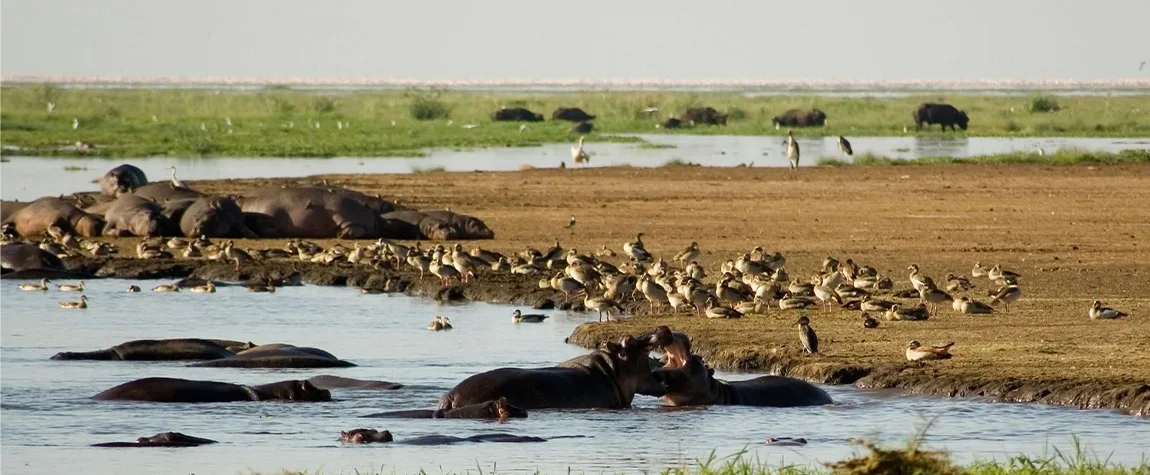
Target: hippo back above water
[694,384]
[186,390]
[801,118]
[122,179]
[516,114]
[945,115]
[308,212]
[703,115]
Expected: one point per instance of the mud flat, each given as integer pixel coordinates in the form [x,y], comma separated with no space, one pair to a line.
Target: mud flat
[1076,233]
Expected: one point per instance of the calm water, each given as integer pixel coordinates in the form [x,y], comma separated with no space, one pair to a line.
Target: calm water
[27,178]
[48,420]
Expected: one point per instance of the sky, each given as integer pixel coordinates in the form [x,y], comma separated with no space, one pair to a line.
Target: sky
[586,39]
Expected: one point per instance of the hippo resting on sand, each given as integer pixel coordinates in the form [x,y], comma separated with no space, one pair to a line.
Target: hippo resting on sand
[435,225]
[161,350]
[695,385]
[186,390]
[122,179]
[327,381]
[278,355]
[166,191]
[27,261]
[131,215]
[39,215]
[367,436]
[9,209]
[307,212]
[498,409]
[164,439]
[214,216]
[606,378]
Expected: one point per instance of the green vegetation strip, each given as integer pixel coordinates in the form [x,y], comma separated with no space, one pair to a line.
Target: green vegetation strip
[277,121]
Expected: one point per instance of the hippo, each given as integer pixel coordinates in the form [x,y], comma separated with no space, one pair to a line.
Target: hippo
[327,381]
[164,439]
[515,114]
[411,224]
[214,216]
[942,114]
[695,385]
[703,115]
[375,203]
[497,409]
[464,226]
[367,436]
[174,349]
[606,378]
[278,355]
[801,118]
[173,211]
[131,215]
[19,257]
[571,114]
[186,390]
[39,215]
[122,179]
[9,209]
[307,212]
[166,191]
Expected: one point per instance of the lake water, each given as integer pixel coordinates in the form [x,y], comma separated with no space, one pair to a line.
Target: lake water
[28,178]
[48,420]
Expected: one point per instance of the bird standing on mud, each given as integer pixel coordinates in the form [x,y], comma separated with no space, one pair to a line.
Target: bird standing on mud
[807,336]
[571,224]
[792,151]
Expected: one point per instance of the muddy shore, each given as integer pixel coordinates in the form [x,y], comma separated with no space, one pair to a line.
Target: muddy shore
[1075,233]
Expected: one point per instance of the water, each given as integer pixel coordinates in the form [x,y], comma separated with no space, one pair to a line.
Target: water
[48,420]
[28,178]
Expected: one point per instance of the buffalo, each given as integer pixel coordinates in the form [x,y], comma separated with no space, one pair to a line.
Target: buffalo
[801,118]
[514,114]
[703,115]
[942,114]
[571,114]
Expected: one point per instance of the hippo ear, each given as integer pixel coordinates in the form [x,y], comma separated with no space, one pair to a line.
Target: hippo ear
[306,386]
[711,372]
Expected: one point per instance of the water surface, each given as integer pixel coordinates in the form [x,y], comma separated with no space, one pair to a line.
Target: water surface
[48,420]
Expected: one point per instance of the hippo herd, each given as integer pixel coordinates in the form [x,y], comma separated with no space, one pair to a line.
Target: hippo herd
[128,205]
[608,377]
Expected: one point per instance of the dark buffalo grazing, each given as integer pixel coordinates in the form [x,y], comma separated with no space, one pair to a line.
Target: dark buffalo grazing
[606,378]
[38,216]
[214,216]
[368,436]
[694,384]
[174,349]
[703,115]
[572,114]
[945,115]
[185,390]
[327,381]
[307,212]
[132,215]
[122,179]
[165,439]
[498,409]
[581,128]
[801,118]
[278,355]
[516,114]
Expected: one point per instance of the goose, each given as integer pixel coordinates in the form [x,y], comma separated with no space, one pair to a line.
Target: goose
[1007,295]
[845,146]
[571,223]
[41,287]
[501,265]
[827,295]
[237,255]
[978,271]
[792,151]
[71,288]
[567,285]
[256,287]
[791,302]
[208,288]
[971,307]
[869,321]
[439,324]
[604,252]
[916,352]
[917,280]
[133,288]
[695,271]
[1098,312]
[635,249]
[874,305]
[996,273]
[83,303]
[176,183]
[689,254]
[192,252]
[677,301]
[916,313]
[830,264]
[955,283]
[445,272]
[753,306]
[166,288]
[807,336]
[799,288]
[421,262]
[519,317]
[714,310]
[656,295]
[600,304]
[933,296]
[578,154]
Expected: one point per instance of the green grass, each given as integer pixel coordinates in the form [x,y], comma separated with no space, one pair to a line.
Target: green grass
[119,121]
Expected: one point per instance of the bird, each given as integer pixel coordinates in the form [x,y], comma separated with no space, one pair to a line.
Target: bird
[916,352]
[971,307]
[176,183]
[1098,312]
[1008,294]
[807,336]
[978,270]
[714,310]
[571,223]
[792,151]
[845,146]
[203,126]
[166,288]
[1143,65]
[600,304]
[469,126]
[41,287]
[523,127]
[933,296]
[208,288]
[133,288]
[71,288]
[997,273]
[652,110]
[869,321]
[228,121]
[1040,151]
[75,123]
[238,255]
[578,154]
[897,313]
[636,250]
[689,254]
[519,317]
[955,283]
[83,303]
[439,324]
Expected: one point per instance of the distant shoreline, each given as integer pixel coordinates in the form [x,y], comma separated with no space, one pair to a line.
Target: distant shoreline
[589,84]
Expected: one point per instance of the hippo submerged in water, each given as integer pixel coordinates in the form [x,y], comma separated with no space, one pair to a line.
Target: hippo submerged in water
[606,378]
[164,439]
[278,355]
[326,381]
[368,436]
[498,409]
[161,350]
[186,390]
[694,384]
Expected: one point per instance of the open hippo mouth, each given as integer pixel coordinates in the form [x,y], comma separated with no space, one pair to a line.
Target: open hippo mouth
[659,337]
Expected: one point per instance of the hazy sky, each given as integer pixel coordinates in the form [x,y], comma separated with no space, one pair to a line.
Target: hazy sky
[591,39]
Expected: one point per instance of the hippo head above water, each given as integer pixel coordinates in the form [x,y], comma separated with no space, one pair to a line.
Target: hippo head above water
[689,385]
[365,436]
[631,356]
[302,391]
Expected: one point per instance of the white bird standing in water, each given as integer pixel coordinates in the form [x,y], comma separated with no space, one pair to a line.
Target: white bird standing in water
[176,183]
[1041,152]
[792,151]
[578,154]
